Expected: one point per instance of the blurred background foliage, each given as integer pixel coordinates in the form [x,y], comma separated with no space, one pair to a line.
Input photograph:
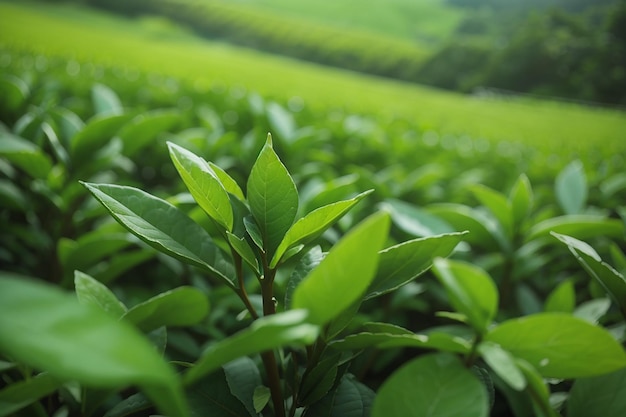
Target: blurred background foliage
[574,49]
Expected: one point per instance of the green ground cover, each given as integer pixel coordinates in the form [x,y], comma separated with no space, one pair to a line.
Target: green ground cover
[428,21]
[96,37]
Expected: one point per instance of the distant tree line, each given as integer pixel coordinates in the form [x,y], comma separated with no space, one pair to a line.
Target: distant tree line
[574,49]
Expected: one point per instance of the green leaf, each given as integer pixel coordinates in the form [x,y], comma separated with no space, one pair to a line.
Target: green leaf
[92,292]
[105,100]
[603,395]
[521,199]
[90,248]
[182,306]
[562,299]
[264,334]
[537,390]
[580,226]
[133,404]
[571,188]
[386,340]
[164,227]
[503,364]
[435,385]
[98,131]
[497,204]
[349,399]
[317,382]
[227,181]
[243,377]
[13,92]
[273,197]
[560,345]
[307,263]
[345,273]
[244,250]
[21,394]
[471,291]
[121,263]
[402,263]
[261,397]
[25,155]
[203,184]
[212,397]
[312,225]
[81,343]
[593,310]
[613,282]
[143,130]
[461,217]
[414,220]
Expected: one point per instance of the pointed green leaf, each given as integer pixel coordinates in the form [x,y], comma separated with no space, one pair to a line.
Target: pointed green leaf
[164,227]
[25,155]
[267,333]
[273,198]
[383,339]
[261,397]
[227,181]
[212,397]
[312,225]
[571,188]
[92,292]
[243,377]
[318,381]
[414,220]
[402,263]
[182,306]
[244,250]
[81,343]
[21,394]
[503,364]
[435,385]
[203,185]
[471,291]
[105,100]
[537,390]
[132,404]
[560,345]
[580,226]
[307,263]
[253,231]
[562,299]
[461,217]
[349,399]
[91,248]
[497,204]
[98,131]
[521,199]
[143,130]
[613,282]
[345,273]
[603,395]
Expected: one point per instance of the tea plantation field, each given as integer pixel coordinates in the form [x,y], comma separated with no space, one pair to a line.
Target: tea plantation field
[384,245]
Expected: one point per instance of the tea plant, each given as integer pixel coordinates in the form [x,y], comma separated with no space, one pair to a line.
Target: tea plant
[304,340]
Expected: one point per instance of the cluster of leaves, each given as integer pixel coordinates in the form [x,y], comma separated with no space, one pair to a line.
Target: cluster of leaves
[236,291]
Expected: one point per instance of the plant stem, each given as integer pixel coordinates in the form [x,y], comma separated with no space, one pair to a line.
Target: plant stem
[241,292]
[471,357]
[269,360]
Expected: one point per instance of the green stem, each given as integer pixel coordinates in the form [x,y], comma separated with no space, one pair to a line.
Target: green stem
[241,291]
[269,360]
[473,355]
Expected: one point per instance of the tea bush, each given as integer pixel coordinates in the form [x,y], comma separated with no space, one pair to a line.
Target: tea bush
[344,265]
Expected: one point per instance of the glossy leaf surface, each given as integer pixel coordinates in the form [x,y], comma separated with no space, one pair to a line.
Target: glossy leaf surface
[313,225]
[81,343]
[264,334]
[92,292]
[164,227]
[345,273]
[435,385]
[406,261]
[203,184]
[182,306]
[470,290]
[273,198]
[560,345]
